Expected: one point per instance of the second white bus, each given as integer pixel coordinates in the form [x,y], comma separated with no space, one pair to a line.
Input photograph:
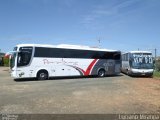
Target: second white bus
[137,63]
[44,61]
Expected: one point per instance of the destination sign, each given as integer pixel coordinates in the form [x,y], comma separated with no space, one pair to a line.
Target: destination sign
[142,58]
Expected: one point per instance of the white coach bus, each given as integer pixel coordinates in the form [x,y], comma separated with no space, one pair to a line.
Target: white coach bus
[137,63]
[44,61]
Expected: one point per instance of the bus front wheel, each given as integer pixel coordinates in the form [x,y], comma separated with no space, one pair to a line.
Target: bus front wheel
[101,73]
[42,75]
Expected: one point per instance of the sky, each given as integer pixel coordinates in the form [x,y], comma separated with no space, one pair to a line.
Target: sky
[119,24]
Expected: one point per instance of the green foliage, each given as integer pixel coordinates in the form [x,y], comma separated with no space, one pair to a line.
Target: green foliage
[156,74]
[157,65]
[6,62]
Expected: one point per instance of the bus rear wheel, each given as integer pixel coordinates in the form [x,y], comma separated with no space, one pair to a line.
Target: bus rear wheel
[42,75]
[101,73]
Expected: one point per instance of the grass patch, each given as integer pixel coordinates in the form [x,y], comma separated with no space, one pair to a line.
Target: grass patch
[156,74]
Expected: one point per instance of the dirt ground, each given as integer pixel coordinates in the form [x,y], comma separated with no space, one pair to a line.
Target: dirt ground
[108,95]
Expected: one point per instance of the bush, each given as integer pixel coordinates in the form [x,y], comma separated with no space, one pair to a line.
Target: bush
[6,61]
[156,74]
[157,65]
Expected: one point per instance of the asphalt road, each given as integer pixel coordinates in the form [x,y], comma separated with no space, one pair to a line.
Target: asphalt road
[116,94]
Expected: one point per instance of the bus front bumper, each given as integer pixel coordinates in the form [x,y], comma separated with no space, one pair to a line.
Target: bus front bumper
[141,72]
[13,74]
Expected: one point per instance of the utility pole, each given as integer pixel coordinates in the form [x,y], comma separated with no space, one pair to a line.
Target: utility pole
[155,50]
[99,42]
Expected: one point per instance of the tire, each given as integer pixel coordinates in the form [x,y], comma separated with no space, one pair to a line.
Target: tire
[101,73]
[129,73]
[42,75]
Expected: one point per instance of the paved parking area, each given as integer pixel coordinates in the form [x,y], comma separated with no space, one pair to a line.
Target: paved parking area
[116,94]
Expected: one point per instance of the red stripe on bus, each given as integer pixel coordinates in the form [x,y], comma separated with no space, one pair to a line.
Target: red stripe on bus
[88,70]
[90,67]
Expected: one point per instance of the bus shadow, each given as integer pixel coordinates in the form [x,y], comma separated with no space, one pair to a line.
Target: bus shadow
[25,79]
[140,76]
[66,78]
[82,77]
[136,76]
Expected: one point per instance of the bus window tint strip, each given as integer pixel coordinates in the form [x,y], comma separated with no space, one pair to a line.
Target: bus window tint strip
[74,53]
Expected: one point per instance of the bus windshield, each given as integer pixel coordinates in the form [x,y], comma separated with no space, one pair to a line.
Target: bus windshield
[142,61]
[12,60]
[13,57]
[24,56]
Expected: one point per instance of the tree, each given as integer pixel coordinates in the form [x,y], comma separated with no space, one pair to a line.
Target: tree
[157,65]
[6,61]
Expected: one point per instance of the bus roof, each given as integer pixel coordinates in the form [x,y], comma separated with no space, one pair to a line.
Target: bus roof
[138,51]
[67,46]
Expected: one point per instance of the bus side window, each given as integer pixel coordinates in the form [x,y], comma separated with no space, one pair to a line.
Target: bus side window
[124,57]
[127,57]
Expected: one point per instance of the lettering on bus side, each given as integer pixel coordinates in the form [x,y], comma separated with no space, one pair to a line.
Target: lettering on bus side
[46,62]
[108,64]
